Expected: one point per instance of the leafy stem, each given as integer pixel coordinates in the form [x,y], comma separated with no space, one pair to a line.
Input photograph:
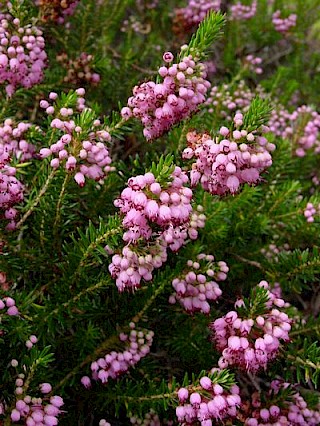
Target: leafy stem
[147,305]
[37,199]
[109,343]
[92,289]
[91,247]
[58,207]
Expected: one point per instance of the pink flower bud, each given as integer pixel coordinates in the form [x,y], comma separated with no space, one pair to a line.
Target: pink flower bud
[80,179]
[195,398]
[45,387]
[9,302]
[13,311]
[183,395]
[15,415]
[50,110]
[85,380]
[50,420]
[29,344]
[168,57]
[33,338]
[206,383]
[57,401]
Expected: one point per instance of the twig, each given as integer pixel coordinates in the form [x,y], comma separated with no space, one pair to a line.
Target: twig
[37,199]
[58,208]
[92,247]
[110,342]
[85,291]
[250,262]
[305,330]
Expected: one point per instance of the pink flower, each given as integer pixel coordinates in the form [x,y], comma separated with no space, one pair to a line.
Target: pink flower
[15,415]
[222,167]
[45,388]
[56,401]
[162,105]
[85,380]
[261,342]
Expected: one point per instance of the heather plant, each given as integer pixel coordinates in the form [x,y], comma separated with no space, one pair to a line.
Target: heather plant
[160,209]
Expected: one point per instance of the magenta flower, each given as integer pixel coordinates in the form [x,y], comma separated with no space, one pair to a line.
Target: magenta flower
[162,105]
[251,343]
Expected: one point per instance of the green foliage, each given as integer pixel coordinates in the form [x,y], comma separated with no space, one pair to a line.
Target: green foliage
[163,169]
[38,358]
[307,363]
[296,269]
[162,395]
[257,115]
[255,305]
[208,31]
[87,249]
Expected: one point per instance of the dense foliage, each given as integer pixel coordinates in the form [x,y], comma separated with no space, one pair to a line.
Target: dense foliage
[160,209]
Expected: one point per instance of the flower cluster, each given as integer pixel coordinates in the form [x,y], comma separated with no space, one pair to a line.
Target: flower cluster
[310,211]
[81,150]
[37,411]
[9,304]
[31,341]
[283,25]
[249,339]
[242,12]
[133,265]
[188,17]
[156,217]
[293,411]
[13,141]
[160,106]
[11,193]
[137,261]
[315,182]
[276,292]
[253,63]
[306,122]
[198,286]
[4,284]
[224,101]
[31,410]
[273,250]
[22,54]
[114,364]
[223,165]
[104,422]
[279,122]
[56,10]
[150,419]
[79,70]
[211,67]
[147,4]
[145,202]
[135,25]
[210,403]
[301,126]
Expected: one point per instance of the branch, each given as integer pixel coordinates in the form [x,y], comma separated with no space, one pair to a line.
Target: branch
[37,199]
